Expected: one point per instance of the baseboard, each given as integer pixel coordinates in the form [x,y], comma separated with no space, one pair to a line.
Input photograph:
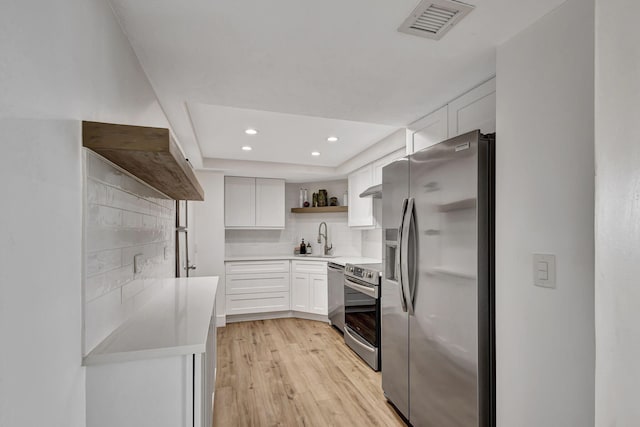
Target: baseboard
[274,315]
[310,316]
[221,320]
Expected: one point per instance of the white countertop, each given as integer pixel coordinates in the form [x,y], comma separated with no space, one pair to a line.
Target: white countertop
[342,260]
[174,322]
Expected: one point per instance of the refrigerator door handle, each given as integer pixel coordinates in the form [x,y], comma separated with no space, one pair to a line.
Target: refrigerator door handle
[399,260]
[412,255]
[405,255]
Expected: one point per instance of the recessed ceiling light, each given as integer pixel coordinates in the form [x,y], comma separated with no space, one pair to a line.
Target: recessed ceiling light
[251,131]
[315,153]
[247,148]
[332,139]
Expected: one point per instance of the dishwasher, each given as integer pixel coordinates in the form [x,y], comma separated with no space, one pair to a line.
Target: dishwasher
[335,276]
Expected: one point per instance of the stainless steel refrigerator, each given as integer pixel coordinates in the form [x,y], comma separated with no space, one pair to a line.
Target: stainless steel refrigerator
[437,339]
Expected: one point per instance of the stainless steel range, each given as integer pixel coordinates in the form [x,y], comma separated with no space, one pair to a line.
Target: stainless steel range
[362,311]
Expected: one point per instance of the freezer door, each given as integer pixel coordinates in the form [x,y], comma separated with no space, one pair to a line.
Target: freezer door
[443,368]
[394,318]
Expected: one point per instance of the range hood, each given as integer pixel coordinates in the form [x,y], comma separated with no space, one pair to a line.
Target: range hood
[375,191]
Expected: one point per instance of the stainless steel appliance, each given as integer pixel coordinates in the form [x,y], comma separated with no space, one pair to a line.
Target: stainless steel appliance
[438,363]
[335,277]
[362,311]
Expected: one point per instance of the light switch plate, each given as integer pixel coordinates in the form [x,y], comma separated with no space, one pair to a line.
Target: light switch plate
[544,270]
[137,263]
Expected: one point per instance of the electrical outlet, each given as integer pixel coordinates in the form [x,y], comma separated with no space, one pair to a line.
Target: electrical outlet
[137,263]
[166,253]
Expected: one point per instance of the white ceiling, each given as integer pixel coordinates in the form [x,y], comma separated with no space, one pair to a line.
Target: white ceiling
[331,59]
[284,138]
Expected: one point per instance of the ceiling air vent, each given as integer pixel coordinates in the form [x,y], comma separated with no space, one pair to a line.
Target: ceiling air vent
[433,18]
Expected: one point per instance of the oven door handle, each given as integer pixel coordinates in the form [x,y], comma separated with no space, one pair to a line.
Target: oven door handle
[358,341]
[372,292]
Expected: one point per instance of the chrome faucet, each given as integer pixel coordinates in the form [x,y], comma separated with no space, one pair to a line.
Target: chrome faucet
[320,236]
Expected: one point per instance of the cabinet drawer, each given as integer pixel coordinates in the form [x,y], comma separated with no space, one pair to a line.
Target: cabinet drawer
[314,267]
[257,303]
[257,283]
[244,267]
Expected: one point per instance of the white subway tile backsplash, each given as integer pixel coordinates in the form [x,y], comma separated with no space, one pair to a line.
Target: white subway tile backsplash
[100,262]
[123,217]
[132,288]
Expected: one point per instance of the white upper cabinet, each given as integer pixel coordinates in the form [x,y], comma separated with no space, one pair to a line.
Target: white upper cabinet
[428,131]
[360,209]
[380,163]
[254,202]
[239,202]
[474,110]
[269,202]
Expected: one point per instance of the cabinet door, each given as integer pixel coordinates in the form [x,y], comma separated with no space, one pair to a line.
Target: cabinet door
[269,203]
[360,209]
[428,131]
[319,293]
[239,202]
[380,163]
[300,292]
[474,110]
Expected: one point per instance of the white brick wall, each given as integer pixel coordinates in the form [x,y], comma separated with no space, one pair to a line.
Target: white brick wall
[122,218]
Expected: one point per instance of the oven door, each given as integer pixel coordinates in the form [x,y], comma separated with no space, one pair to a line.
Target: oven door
[362,310]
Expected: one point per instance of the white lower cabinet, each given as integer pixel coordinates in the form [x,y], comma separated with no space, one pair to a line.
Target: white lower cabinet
[300,292]
[257,287]
[309,290]
[318,294]
[254,287]
[172,391]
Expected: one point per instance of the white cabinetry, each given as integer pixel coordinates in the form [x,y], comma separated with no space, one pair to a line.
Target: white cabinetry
[475,109]
[309,290]
[360,209]
[254,202]
[158,368]
[269,202]
[239,201]
[257,287]
[381,163]
[428,131]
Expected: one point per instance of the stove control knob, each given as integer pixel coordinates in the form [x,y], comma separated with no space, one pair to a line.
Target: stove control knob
[369,275]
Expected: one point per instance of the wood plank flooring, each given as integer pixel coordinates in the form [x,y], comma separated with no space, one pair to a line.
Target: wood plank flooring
[294,372]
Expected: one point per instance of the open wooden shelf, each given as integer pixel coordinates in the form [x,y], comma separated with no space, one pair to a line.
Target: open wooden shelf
[149,154]
[324,209]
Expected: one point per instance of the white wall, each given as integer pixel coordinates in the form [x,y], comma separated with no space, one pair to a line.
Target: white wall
[41,381]
[207,231]
[544,192]
[617,212]
[60,60]
[123,218]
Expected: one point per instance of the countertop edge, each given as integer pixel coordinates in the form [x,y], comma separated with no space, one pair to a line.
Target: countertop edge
[131,356]
[342,260]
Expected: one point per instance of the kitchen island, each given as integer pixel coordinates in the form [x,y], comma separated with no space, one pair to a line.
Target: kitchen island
[158,368]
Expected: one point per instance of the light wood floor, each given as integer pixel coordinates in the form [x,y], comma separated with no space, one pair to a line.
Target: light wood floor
[294,372]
